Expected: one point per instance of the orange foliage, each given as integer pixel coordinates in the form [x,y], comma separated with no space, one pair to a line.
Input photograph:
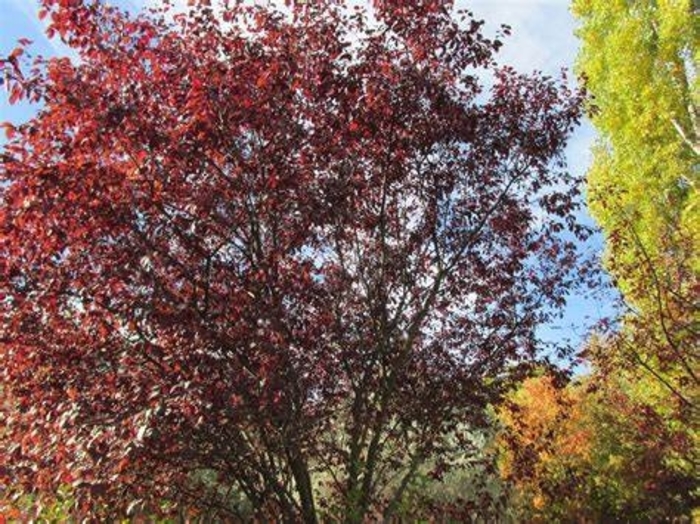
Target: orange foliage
[544,435]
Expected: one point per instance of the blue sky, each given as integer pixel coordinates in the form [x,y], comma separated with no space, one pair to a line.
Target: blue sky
[543,39]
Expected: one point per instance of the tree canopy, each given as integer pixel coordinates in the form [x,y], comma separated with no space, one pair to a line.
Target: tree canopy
[268,263]
[639,60]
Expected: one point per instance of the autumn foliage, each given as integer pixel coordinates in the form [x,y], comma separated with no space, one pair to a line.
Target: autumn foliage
[594,450]
[546,442]
[271,264]
[640,61]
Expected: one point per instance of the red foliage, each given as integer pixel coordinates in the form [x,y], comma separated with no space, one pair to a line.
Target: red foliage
[267,246]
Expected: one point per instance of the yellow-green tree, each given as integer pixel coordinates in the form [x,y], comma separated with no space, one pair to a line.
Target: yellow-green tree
[640,62]
[639,59]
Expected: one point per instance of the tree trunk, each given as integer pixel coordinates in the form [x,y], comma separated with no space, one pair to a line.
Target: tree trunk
[300,471]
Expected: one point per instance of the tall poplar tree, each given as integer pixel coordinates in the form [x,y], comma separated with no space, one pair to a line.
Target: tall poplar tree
[639,60]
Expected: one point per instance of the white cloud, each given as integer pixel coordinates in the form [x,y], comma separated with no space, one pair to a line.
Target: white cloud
[542,35]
